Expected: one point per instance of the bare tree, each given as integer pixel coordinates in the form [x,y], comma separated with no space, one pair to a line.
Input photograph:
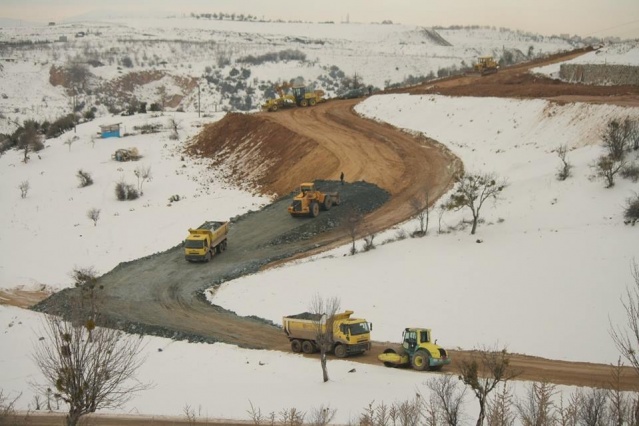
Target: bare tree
[326,310]
[89,368]
[94,215]
[564,170]
[448,398]
[86,279]
[422,213]
[483,371]
[143,174]
[619,405]
[8,414]
[174,125]
[626,337]
[163,95]
[616,138]
[567,412]
[500,410]
[29,139]
[472,191]
[606,167]
[353,222]
[537,408]
[592,408]
[321,416]
[24,188]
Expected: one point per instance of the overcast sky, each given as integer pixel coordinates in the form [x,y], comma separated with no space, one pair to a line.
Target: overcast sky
[582,17]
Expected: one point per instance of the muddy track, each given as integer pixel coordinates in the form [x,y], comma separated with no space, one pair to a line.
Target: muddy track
[162,294]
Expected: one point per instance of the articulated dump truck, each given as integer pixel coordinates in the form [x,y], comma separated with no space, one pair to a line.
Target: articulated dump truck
[351,336]
[205,241]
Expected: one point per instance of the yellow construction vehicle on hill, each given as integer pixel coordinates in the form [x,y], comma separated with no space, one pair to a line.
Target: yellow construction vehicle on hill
[300,95]
[309,201]
[485,65]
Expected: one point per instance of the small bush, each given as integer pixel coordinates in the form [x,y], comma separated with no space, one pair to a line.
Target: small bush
[125,191]
[155,107]
[85,178]
[60,126]
[631,171]
[631,213]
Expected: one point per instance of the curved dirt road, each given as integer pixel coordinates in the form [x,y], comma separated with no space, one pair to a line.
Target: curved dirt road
[161,294]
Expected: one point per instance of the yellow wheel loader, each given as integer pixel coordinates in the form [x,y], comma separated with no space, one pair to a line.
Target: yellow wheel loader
[416,351]
[309,201]
[485,65]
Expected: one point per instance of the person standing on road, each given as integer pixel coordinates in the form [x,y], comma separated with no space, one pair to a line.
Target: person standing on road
[341,178]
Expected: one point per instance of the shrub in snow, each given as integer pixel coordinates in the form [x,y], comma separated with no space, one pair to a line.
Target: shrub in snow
[85,178]
[617,137]
[563,172]
[631,213]
[125,191]
[368,242]
[60,126]
[24,188]
[606,168]
[630,171]
[94,215]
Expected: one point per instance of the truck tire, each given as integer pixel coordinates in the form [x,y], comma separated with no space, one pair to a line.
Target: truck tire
[308,347]
[420,360]
[208,256]
[296,346]
[328,202]
[340,351]
[314,209]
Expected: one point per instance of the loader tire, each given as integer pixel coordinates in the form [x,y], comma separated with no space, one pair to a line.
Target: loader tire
[308,347]
[274,108]
[340,351]
[296,346]
[312,102]
[314,209]
[303,103]
[420,360]
[328,203]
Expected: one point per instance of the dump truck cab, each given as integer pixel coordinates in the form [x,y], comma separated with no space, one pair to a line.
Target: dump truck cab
[205,241]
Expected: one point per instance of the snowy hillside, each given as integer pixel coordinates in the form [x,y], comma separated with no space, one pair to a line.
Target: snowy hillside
[543,275]
[326,55]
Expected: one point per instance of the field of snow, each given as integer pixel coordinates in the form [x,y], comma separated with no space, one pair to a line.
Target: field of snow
[543,276]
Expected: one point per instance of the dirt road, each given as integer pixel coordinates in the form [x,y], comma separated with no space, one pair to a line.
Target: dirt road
[162,294]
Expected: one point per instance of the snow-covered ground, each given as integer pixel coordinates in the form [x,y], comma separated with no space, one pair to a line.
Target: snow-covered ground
[553,261]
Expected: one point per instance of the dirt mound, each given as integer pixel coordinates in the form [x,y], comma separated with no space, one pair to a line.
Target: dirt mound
[263,152]
[124,86]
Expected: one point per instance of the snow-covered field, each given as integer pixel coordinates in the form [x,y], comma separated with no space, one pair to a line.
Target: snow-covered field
[553,261]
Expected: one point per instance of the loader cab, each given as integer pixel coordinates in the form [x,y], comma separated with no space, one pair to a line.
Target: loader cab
[307,188]
[299,93]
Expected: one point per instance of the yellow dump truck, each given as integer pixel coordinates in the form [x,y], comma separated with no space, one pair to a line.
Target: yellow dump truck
[205,241]
[351,336]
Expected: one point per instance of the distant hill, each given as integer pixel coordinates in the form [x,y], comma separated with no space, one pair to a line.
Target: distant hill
[12,23]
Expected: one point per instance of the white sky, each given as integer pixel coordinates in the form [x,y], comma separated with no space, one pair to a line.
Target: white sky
[583,17]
